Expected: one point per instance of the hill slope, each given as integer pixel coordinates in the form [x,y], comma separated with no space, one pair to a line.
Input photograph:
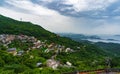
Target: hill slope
[86,56]
[10,26]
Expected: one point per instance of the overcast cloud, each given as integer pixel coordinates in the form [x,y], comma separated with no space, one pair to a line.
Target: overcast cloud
[71,16]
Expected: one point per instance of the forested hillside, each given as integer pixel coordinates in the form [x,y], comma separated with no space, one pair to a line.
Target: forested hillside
[69,54]
[10,26]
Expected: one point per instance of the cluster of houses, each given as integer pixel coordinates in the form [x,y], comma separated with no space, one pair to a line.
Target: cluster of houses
[58,48]
[15,52]
[6,39]
[54,64]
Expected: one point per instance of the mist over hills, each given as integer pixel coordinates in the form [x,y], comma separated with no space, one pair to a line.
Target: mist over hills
[110,43]
[93,38]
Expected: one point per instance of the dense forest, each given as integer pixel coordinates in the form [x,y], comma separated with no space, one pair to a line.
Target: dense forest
[87,56]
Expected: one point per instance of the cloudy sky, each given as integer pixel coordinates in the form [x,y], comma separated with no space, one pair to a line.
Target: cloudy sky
[67,16]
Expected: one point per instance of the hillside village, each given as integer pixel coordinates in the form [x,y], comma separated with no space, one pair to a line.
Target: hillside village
[6,40]
[27,48]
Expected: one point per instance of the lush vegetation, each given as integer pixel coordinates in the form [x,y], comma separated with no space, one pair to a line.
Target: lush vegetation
[112,48]
[87,57]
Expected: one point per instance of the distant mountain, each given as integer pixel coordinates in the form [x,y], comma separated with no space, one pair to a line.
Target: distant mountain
[79,36]
[109,43]
[93,38]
